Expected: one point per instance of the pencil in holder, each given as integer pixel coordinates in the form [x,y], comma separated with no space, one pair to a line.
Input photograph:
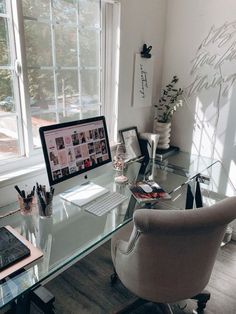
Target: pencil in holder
[45,200]
[45,210]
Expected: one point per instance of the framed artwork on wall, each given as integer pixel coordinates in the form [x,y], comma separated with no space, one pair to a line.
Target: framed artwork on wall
[143,81]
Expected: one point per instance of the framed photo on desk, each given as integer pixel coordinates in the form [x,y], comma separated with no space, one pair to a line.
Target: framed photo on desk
[130,138]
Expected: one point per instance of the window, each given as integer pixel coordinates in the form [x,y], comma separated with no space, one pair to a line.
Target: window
[55,66]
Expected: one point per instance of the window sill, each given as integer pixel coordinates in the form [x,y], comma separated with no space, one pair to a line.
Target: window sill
[11,177]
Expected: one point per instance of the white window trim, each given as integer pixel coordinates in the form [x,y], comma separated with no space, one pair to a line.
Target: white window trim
[111,68]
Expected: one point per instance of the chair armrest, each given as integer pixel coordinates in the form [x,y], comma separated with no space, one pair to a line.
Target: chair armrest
[126,247]
[141,220]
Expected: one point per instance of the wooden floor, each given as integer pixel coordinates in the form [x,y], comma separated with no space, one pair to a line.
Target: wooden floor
[85,287]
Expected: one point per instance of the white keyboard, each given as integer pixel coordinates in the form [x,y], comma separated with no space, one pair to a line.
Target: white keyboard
[104,203]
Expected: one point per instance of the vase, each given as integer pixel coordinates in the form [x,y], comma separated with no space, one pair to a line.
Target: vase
[163,129]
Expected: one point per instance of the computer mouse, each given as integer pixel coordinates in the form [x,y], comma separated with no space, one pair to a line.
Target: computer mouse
[146,188]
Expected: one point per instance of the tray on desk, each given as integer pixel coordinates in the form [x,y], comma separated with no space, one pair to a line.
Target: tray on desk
[35,254]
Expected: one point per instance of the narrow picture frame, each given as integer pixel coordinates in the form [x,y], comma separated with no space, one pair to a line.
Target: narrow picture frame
[129,137]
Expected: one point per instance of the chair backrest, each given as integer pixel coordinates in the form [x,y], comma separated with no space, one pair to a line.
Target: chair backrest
[174,251]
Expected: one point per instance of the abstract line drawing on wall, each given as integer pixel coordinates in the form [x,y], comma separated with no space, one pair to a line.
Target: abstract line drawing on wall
[214,64]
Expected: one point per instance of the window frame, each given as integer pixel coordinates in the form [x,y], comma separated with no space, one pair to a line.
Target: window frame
[108,70]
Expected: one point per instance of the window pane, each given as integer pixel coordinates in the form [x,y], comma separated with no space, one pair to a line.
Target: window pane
[67,81]
[9,146]
[55,93]
[35,8]
[80,113]
[89,12]
[41,89]
[89,48]
[66,46]
[70,116]
[90,86]
[2,6]
[65,11]
[90,111]
[7,103]
[38,44]
[68,93]
[4,42]
[39,120]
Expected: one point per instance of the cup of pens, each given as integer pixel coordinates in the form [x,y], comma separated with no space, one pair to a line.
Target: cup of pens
[26,200]
[44,200]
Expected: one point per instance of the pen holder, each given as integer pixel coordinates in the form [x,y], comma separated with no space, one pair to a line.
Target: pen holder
[27,205]
[44,200]
[45,210]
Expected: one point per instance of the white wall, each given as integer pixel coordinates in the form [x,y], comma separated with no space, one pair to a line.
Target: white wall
[200,48]
[141,22]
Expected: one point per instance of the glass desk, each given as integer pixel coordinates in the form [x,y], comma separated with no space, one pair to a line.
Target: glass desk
[71,233]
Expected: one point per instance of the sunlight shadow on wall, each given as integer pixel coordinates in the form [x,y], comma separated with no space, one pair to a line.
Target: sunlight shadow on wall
[211,135]
[203,132]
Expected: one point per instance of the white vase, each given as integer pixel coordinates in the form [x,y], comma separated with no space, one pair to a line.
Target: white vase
[163,129]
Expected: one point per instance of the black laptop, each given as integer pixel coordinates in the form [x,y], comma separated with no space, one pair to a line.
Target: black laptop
[12,250]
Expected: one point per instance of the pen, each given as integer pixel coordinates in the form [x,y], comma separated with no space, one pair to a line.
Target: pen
[45,198]
[23,193]
[18,190]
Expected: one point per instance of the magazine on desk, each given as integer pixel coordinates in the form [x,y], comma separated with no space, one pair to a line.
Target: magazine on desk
[148,191]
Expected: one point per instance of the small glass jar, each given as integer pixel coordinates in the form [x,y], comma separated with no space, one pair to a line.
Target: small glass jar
[27,205]
[45,209]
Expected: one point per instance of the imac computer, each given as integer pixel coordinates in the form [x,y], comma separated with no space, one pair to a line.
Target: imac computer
[74,149]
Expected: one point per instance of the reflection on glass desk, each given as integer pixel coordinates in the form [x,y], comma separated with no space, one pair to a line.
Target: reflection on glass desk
[71,233]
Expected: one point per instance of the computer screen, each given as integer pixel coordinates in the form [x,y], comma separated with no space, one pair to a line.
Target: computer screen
[72,148]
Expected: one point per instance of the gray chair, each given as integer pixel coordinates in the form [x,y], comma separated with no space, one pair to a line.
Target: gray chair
[166,256]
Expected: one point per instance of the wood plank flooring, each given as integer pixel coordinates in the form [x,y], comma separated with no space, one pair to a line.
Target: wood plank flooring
[85,287]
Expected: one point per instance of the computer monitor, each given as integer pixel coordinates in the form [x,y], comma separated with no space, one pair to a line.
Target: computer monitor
[73,148]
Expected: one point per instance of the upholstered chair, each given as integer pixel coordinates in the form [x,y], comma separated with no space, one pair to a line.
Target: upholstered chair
[166,256]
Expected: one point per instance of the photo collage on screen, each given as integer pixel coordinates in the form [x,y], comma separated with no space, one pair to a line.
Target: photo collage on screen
[76,148]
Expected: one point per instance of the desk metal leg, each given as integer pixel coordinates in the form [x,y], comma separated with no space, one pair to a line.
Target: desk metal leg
[43,298]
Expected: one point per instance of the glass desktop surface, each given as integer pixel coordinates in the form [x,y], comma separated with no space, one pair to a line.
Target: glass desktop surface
[177,172]
[71,233]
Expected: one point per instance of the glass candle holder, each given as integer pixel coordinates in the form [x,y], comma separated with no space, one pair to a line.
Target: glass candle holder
[119,163]
[119,158]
